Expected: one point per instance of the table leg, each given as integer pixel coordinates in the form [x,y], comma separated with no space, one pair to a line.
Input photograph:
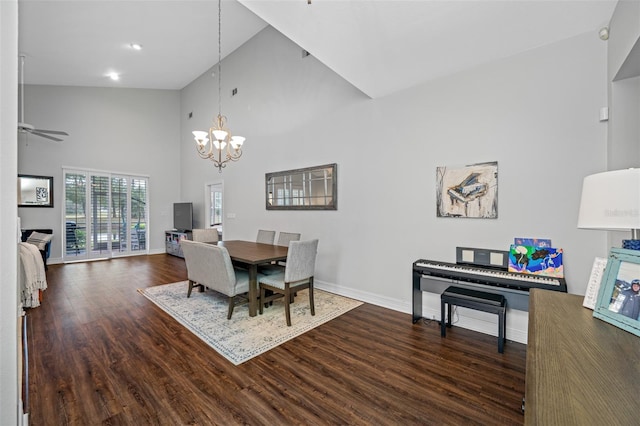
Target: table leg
[253,290]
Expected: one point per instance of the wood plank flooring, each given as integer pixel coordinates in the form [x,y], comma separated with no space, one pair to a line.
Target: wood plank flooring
[101,353]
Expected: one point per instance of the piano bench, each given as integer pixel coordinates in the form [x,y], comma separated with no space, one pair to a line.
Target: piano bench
[474,299]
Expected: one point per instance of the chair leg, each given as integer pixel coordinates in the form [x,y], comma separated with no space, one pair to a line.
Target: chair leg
[311,302]
[190,288]
[231,305]
[287,308]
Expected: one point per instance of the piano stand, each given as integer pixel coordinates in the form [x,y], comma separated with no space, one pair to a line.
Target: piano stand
[473,299]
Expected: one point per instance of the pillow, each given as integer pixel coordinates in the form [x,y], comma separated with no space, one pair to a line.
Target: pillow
[39,239]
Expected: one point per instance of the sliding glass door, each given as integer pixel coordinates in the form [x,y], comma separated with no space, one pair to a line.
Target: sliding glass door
[105,214]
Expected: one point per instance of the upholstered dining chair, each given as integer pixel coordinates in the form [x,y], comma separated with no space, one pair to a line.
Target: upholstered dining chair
[210,266]
[265,237]
[284,238]
[298,275]
[208,235]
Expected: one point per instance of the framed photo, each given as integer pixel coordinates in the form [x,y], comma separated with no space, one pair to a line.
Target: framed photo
[619,295]
[35,191]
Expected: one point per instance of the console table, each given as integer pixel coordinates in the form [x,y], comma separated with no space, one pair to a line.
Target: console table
[580,370]
[172,241]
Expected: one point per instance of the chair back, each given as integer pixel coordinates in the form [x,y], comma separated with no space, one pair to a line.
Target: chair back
[265,237]
[301,260]
[208,235]
[284,238]
[210,265]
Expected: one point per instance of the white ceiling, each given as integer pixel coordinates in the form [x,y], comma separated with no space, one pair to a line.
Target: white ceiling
[379,46]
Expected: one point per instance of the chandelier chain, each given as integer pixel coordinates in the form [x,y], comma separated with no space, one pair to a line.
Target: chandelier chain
[219,57]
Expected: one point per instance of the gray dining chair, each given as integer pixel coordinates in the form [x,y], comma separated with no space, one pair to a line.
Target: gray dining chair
[210,266]
[265,237]
[284,238]
[208,235]
[298,275]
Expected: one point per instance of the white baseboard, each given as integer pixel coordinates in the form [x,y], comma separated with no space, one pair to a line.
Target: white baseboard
[483,322]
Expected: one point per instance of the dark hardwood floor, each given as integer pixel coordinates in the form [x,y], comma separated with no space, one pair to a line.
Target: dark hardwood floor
[101,353]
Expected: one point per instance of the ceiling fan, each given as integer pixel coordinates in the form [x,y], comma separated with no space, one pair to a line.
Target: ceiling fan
[28,128]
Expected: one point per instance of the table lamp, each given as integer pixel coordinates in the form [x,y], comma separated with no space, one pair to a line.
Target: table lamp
[611,201]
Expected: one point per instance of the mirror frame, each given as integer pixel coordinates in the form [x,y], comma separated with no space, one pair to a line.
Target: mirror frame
[333,205]
[35,203]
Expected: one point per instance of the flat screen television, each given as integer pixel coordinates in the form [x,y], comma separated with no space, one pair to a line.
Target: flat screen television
[183,216]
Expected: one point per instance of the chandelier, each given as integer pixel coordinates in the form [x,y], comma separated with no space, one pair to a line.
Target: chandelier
[218,145]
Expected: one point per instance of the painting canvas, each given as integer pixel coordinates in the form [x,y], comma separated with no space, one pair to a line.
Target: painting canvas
[536,242]
[469,191]
[546,261]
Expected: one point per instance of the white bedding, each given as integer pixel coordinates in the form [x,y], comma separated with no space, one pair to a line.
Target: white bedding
[32,275]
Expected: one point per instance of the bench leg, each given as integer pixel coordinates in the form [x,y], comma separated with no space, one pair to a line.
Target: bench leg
[443,325]
[501,331]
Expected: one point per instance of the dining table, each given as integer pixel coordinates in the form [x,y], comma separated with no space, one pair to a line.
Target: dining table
[249,255]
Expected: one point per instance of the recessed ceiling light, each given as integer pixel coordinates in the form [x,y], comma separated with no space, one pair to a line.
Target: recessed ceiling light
[114,76]
[136,46]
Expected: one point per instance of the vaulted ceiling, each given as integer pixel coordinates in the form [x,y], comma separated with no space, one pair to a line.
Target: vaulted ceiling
[379,46]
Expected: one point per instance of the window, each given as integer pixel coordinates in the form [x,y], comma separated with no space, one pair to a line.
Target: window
[106,217]
[215,204]
[216,208]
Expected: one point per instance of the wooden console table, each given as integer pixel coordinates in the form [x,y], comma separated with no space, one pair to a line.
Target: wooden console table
[580,370]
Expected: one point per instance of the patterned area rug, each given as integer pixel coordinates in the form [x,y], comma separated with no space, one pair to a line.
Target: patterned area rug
[243,337]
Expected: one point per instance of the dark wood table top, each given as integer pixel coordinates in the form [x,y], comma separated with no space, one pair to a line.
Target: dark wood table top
[580,370]
[253,253]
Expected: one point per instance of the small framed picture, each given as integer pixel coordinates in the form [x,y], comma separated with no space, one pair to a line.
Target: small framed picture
[619,295]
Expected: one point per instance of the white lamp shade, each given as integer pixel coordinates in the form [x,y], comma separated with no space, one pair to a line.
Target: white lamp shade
[237,141]
[611,200]
[219,144]
[220,134]
[200,136]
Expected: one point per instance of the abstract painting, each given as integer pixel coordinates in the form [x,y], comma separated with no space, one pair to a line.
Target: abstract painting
[546,261]
[469,191]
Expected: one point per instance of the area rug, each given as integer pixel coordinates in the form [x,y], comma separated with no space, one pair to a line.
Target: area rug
[243,337]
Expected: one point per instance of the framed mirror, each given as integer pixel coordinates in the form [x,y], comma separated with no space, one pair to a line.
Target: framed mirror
[35,191]
[311,188]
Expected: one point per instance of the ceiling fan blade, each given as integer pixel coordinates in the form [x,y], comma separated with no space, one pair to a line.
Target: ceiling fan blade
[33,132]
[53,132]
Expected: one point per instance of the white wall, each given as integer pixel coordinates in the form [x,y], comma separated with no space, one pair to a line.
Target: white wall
[116,130]
[535,113]
[9,383]
[623,150]
[623,36]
